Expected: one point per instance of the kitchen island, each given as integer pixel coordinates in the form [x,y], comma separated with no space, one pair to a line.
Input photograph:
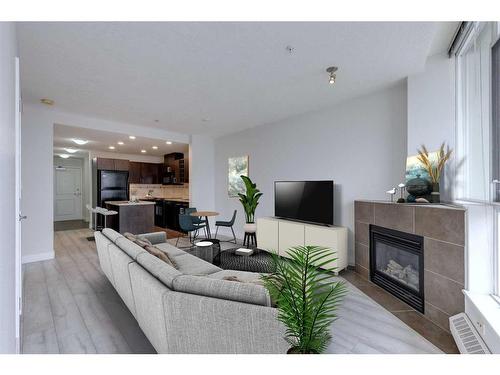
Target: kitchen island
[133,217]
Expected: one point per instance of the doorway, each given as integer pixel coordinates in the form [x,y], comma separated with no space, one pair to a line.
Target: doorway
[67,193]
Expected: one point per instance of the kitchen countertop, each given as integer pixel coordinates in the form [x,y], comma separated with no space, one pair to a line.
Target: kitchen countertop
[128,203]
[166,199]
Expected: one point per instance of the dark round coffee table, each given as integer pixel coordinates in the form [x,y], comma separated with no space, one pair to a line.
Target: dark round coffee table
[260,261]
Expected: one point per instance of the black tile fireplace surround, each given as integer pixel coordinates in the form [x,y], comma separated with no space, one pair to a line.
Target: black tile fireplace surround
[397,264]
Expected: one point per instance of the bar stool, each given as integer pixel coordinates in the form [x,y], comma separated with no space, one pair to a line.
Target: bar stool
[105,212]
[93,215]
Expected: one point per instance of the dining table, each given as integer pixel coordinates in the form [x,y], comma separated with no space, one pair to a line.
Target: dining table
[206,215]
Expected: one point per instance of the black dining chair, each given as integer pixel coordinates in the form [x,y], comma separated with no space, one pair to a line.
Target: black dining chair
[229,224]
[196,220]
[187,224]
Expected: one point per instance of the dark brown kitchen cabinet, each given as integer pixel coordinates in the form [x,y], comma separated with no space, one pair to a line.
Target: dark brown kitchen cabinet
[134,172]
[149,173]
[105,164]
[112,164]
[121,165]
[178,165]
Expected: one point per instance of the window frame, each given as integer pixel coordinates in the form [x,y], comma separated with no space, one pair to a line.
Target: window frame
[495,145]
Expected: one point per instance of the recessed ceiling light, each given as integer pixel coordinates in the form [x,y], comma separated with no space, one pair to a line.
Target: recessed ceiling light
[71,150]
[64,156]
[131,136]
[143,151]
[155,147]
[120,143]
[47,101]
[80,141]
[111,147]
[168,143]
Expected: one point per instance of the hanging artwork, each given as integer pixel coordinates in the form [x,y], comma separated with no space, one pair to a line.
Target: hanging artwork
[237,166]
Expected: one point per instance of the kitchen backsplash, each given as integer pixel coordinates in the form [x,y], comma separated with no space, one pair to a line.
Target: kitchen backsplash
[160,191]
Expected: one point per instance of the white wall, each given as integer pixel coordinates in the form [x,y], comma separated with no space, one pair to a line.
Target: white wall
[8,51]
[360,144]
[37,175]
[431,112]
[201,173]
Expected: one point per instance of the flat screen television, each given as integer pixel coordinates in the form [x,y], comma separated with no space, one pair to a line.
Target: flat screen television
[310,201]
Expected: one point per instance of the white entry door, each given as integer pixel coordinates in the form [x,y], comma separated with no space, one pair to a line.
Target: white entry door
[67,193]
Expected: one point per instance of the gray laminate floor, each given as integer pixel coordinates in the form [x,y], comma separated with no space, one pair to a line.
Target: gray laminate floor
[70,307]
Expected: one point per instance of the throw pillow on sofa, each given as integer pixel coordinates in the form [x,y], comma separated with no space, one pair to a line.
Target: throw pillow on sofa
[153,250]
[142,242]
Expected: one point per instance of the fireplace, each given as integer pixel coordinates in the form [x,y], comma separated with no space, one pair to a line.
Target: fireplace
[397,264]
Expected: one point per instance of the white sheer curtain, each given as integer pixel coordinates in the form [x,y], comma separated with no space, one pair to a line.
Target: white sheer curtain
[477,155]
[473,117]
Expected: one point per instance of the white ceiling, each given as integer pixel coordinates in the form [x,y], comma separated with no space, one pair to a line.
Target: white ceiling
[215,77]
[101,140]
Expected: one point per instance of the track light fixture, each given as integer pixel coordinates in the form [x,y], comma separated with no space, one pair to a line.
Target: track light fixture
[332,70]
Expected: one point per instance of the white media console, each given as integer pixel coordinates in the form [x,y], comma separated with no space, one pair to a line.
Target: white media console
[279,235]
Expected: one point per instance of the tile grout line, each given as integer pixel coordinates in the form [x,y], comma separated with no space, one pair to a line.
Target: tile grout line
[444,277]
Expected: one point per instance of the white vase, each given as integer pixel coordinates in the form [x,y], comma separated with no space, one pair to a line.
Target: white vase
[250,228]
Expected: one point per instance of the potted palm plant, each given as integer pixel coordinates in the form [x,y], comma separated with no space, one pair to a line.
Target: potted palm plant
[250,201]
[306,297]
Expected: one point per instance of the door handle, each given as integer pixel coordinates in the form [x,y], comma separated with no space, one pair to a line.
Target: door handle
[22,217]
[496,181]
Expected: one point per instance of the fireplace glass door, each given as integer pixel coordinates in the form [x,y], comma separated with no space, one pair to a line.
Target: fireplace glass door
[402,266]
[397,264]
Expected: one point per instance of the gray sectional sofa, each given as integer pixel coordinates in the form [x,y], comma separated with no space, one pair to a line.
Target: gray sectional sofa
[191,309]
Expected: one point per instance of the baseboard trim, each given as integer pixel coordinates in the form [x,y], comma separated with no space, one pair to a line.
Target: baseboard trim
[37,257]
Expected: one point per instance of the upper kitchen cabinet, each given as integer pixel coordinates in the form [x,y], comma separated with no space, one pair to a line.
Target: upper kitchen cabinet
[112,164]
[134,172]
[105,164]
[178,165]
[150,173]
[121,165]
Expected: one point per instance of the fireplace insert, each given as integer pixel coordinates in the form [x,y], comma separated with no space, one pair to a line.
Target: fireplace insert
[397,264]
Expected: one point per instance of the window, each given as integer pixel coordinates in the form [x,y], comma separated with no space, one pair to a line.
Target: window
[495,121]
[478,147]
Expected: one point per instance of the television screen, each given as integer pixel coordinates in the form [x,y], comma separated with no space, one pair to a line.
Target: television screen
[310,201]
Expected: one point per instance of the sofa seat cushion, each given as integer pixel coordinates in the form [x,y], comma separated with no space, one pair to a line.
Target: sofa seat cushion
[158,268]
[191,265]
[222,289]
[170,249]
[243,276]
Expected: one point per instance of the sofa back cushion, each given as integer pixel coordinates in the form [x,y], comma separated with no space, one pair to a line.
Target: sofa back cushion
[223,289]
[111,234]
[130,248]
[158,268]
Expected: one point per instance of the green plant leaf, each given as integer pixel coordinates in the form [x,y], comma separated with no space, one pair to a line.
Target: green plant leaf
[307,297]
